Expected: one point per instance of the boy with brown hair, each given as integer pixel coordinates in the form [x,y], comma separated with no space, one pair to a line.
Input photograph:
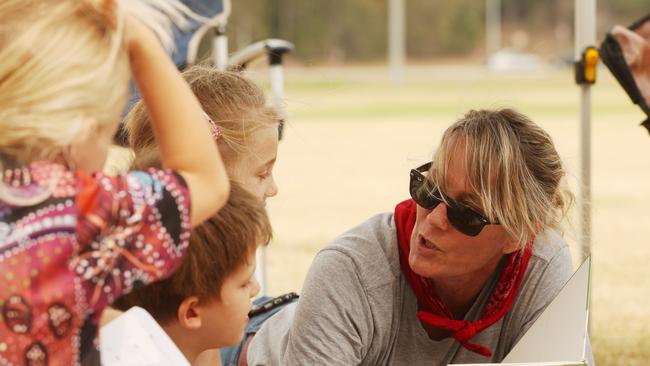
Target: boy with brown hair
[205,303]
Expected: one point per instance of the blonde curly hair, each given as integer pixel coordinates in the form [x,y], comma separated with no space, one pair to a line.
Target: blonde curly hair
[64,69]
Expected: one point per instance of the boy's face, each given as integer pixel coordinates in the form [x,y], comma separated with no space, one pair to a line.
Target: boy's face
[225,318]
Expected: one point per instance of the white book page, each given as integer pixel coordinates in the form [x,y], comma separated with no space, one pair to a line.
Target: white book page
[561,363]
[560,333]
[136,339]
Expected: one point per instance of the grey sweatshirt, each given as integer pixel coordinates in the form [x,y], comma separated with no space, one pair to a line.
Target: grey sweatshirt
[357,308]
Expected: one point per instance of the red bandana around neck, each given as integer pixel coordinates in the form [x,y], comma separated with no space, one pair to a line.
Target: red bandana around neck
[434,312]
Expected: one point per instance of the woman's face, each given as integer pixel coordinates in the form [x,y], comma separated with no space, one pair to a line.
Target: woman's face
[254,169]
[439,251]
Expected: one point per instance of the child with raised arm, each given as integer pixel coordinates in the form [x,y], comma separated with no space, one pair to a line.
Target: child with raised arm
[73,240]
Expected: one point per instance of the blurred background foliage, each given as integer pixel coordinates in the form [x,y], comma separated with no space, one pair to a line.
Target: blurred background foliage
[338,31]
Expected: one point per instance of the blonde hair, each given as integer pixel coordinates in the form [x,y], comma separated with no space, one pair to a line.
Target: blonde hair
[64,69]
[236,104]
[514,171]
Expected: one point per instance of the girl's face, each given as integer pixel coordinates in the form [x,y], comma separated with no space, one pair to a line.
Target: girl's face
[254,169]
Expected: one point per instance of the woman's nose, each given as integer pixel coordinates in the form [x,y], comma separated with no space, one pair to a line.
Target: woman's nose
[438,217]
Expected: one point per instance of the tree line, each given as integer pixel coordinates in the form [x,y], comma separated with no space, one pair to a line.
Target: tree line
[356,30]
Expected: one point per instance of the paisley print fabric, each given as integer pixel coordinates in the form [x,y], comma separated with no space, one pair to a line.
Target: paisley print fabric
[71,244]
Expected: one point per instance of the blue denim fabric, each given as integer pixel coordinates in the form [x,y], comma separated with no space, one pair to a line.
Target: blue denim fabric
[230,355]
[182,37]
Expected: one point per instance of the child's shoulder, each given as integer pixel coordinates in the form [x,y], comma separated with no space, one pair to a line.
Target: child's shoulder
[43,182]
[155,196]
[45,196]
[137,187]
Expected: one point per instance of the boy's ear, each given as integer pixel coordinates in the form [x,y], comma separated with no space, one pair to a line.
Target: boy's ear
[189,314]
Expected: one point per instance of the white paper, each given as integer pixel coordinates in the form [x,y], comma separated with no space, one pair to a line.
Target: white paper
[560,332]
[558,337]
[561,363]
[136,339]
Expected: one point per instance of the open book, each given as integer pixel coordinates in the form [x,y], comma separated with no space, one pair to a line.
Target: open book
[135,339]
[559,336]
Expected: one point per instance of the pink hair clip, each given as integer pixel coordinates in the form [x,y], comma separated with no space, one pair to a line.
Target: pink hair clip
[216,131]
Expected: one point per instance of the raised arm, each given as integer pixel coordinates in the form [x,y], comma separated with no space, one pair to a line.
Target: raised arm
[181,130]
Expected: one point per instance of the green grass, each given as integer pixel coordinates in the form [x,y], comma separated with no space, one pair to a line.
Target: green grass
[551,95]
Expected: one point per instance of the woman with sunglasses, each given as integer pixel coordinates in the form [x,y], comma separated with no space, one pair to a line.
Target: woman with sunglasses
[457,274]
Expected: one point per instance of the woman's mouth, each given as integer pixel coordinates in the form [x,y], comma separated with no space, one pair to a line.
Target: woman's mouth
[427,245]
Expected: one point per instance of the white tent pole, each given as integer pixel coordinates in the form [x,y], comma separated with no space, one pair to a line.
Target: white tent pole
[220,48]
[492,27]
[585,35]
[396,39]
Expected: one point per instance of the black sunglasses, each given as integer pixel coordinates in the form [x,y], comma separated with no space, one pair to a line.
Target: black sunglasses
[427,196]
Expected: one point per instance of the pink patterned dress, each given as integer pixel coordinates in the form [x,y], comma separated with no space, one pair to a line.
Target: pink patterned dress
[70,245]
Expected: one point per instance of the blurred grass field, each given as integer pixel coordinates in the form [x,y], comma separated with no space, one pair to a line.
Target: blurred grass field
[353,137]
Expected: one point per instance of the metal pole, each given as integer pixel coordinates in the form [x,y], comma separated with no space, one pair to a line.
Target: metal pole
[396,39]
[585,35]
[277,87]
[277,93]
[220,48]
[492,27]
[585,170]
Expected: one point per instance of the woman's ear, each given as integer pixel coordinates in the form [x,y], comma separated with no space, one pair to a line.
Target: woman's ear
[510,246]
[189,314]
